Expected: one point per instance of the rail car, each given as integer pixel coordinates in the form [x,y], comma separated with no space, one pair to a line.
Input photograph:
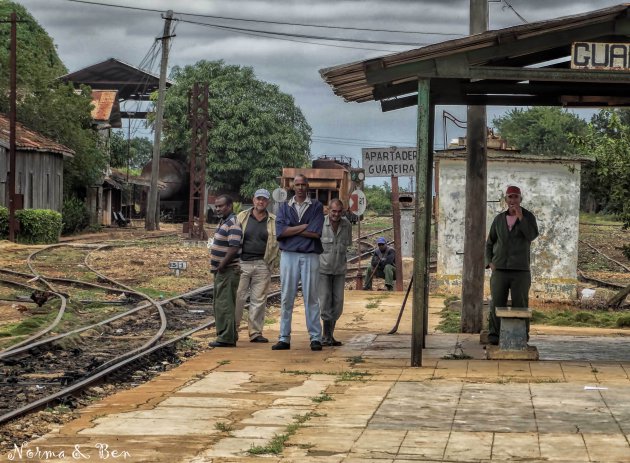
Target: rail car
[328,178]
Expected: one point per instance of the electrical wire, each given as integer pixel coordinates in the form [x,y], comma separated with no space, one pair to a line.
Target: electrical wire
[508,5]
[304,36]
[283,23]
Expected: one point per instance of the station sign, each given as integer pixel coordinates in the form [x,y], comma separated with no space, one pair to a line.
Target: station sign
[601,56]
[389,162]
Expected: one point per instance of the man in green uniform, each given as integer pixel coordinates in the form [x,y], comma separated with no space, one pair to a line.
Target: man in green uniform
[336,237]
[225,254]
[508,256]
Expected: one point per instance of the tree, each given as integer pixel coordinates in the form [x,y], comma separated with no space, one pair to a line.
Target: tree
[255,128]
[608,178]
[46,104]
[540,130]
[379,198]
[137,152]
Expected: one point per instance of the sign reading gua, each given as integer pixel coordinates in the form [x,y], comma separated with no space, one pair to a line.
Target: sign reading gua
[388,162]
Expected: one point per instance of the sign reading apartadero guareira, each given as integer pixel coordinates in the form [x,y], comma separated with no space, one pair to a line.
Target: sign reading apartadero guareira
[388,162]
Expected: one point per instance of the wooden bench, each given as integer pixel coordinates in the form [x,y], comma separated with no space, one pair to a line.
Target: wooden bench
[513,335]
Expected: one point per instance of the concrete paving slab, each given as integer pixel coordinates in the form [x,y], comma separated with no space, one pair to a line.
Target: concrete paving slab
[467,446]
[514,446]
[563,447]
[448,410]
[378,443]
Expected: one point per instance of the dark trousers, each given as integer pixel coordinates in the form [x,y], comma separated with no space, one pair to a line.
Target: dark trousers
[504,282]
[225,286]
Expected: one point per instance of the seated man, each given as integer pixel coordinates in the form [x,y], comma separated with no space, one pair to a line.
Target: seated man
[383,265]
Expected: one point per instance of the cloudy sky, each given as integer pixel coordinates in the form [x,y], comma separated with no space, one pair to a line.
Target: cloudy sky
[86,34]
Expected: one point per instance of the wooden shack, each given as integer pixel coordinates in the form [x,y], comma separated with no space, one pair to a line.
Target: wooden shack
[39,168]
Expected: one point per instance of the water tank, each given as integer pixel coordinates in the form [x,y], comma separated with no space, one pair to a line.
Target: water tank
[173,174]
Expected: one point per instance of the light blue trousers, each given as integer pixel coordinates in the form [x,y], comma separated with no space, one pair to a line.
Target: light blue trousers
[296,267]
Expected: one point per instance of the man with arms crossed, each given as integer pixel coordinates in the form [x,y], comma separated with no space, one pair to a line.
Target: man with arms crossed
[336,237]
[224,258]
[299,228]
[507,255]
[258,255]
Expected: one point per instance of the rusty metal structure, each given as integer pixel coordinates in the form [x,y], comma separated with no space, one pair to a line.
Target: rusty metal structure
[199,122]
[328,178]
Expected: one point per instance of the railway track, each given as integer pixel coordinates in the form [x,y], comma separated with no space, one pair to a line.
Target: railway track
[54,363]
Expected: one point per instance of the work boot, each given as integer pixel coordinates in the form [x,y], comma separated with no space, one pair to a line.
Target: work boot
[389,287]
[333,341]
[326,338]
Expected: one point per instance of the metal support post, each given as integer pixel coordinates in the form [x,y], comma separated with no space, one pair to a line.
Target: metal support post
[397,238]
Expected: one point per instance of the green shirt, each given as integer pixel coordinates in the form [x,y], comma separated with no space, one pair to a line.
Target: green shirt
[509,249]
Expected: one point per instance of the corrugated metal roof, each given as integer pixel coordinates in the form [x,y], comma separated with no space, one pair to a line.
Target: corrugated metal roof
[29,140]
[349,80]
[103,101]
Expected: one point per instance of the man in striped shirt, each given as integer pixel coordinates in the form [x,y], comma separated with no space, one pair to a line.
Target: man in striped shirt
[225,255]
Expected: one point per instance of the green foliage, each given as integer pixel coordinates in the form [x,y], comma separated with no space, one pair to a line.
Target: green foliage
[540,130]
[39,225]
[75,216]
[255,128]
[137,152]
[36,225]
[47,105]
[379,198]
[607,180]
[4,222]
[623,321]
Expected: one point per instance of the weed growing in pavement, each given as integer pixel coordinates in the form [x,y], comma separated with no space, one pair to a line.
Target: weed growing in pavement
[547,380]
[353,375]
[594,370]
[304,372]
[278,442]
[450,321]
[456,356]
[323,397]
[223,427]
[224,362]
[354,360]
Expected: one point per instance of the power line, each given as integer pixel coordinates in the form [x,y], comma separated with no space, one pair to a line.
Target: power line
[515,12]
[303,36]
[283,23]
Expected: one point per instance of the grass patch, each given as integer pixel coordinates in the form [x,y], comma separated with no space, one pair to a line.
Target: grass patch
[599,219]
[224,362]
[223,427]
[450,322]
[354,360]
[457,356]
[353,375]
[270,321]
[323,397]
[278,442]
[582,318]
[27,326]
[304,372]
[375,301]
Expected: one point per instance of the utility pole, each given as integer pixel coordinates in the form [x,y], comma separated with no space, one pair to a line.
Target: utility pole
[13,224]
[152,219]
[476,183]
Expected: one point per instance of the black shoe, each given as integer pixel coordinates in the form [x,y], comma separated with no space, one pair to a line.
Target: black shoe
[221,344]
[335,343]
[259,338]
[389,287]
[326,342]
[316,345]
[281,345]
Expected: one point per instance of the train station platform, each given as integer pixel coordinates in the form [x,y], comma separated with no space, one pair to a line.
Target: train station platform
[362,402]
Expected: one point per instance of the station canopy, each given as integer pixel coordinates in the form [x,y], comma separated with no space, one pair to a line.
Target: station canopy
[131,83]
[574,61]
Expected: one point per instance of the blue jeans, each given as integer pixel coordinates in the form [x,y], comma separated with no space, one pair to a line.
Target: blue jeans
[296,267]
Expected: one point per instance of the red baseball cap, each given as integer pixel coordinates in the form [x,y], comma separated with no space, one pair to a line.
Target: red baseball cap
[512,190]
